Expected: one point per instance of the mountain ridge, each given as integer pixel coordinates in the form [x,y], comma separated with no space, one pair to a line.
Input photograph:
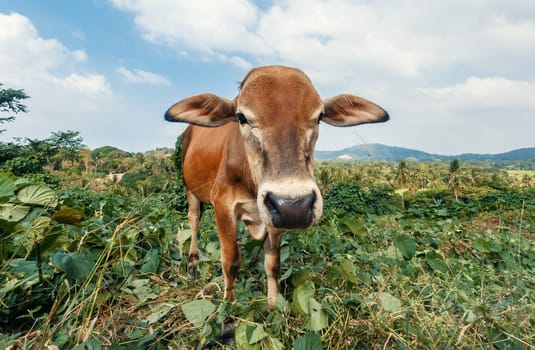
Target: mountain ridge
[376,151]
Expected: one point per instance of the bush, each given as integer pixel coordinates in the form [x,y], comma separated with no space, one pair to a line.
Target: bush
[343,198]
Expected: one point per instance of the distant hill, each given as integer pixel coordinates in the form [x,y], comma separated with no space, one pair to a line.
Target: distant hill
[377,151]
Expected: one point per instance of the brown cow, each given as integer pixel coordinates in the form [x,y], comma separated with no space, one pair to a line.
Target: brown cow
[253,159]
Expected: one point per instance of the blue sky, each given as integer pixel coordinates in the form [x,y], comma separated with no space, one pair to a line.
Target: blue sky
[456,76]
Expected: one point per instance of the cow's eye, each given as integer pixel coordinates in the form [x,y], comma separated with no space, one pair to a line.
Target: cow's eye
[320,117]
[241,118]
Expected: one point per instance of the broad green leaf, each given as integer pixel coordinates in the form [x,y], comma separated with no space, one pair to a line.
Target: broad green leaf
[69,216]
[281,303]
[469,317]
[158,311]
[13,212]
[38,195]
[151,261]
[241,338]
[7,187]
[198,311]
[23,266]
[183,236]
[309,341]
[356,226]
[390,303]
[39,227]
[300,276]
[486,245]
[436,261]
[272,344]
[301,297]
[348,270]
[142,288]
[75,265]
[318,317]
[406,244]
[393,253]
[284,253]
[255,334]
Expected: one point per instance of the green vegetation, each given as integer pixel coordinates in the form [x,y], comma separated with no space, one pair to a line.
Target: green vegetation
[412,255]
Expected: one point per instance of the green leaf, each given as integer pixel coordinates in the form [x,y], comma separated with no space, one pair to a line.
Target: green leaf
[281,303]
[300,276]
[158,311]
[390,303]
[356,226]
[255,334]
[301,297]
[486,245]
[393,253]
[198,311]
[151,261]
[318,317]
[272,344]
[38,195]
[436,261]
[406,244]
[7,187]
[13,212]
[469,317]
[183,236]
[348,270]
[142,288]
[241,338]
[309,341]
[23,266]
[75,265]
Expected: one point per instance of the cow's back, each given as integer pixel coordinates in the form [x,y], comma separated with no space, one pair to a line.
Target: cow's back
[202,153]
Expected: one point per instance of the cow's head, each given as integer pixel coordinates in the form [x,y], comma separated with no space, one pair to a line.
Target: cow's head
[278,111]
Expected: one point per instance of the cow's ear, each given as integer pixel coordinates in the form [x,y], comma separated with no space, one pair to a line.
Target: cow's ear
[205,110]
[349,110]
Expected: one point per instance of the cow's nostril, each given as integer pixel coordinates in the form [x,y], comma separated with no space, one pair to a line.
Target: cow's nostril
[272,202]
[288,212]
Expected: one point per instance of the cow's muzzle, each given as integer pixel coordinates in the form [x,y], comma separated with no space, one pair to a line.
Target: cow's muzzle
[290,213]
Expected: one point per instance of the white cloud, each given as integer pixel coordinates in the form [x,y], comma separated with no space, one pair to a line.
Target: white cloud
[63,95]
[28,60]
[79,56]
[374,39]
[141,76]
[90,85]
[208,27]
[485,93]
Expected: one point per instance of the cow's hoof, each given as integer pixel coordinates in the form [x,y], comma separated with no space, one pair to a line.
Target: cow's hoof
[193,271]
[228,332]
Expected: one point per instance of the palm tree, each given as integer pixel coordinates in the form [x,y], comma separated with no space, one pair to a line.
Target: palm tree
[454,181]
[402,173]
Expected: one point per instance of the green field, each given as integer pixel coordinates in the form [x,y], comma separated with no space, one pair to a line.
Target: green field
[407,256]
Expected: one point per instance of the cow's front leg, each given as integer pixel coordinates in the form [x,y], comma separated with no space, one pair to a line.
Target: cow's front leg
[272,246]
[230,264]
[230,253]
[194,214]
